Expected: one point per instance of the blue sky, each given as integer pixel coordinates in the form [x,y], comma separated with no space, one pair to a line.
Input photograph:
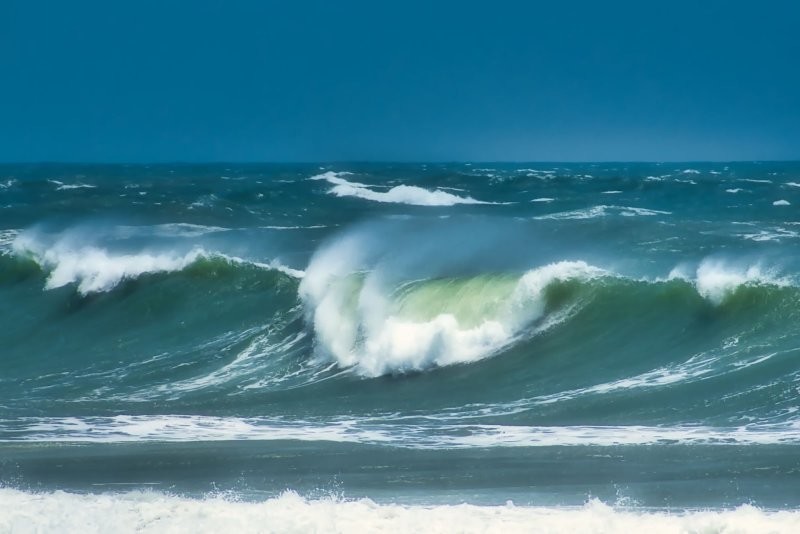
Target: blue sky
[302,80]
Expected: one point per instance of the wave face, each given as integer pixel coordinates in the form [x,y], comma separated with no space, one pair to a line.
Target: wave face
[371,330]
[417,325]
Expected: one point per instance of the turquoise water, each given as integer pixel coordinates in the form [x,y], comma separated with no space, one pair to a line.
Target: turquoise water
[422,335]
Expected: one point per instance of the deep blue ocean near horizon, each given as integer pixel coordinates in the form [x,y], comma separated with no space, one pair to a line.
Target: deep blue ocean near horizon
[419,335]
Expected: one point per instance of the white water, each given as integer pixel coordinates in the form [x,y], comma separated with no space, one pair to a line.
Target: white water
[95,269]
[716,279]
[356,322]
[388,430]
[401,194]
[146,511]
[603,211]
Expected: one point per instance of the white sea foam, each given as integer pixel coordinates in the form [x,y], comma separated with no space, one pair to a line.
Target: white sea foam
[543,199]
[603,211]
[400,194]
[690,370]
[614,192]
[781,203]
[65,187]
[151,511]
[756,181]
[774,234]
[310,227]
[7,238]
[793,184]
[716,279]
[387,431]
[734,190]
[690,171]
[168,230]
[205,201]
[7,184]
[363,325]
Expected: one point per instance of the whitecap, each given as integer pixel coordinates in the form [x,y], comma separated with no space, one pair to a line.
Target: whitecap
[376,330]
[602,211]
[94,269]
[152,511]
[400,194]
[64,187]
[385,430]
[717,279]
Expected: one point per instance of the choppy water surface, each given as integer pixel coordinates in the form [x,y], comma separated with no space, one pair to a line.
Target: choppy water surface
[596,342]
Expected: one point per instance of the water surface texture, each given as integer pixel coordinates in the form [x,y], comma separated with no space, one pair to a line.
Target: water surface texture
[609,340]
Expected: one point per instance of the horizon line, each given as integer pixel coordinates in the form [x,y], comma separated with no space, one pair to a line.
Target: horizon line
[391,162]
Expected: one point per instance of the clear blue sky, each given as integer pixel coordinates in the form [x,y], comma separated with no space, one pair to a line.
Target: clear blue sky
[250,80]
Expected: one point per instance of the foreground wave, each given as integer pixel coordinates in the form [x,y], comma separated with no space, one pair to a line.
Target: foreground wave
[143,511]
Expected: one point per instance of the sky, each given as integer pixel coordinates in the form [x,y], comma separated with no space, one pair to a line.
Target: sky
[344,80]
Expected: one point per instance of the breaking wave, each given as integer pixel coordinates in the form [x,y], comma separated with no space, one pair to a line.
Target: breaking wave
[95,269]
[431,323]
[401,194]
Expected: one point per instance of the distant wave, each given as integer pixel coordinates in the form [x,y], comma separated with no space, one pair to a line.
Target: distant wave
[96,269]
[75,186]
[65,187]
[401,194]
[152,511]
[168,230]
[603,211]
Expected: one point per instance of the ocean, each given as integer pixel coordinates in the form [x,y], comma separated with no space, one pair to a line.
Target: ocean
[483,347]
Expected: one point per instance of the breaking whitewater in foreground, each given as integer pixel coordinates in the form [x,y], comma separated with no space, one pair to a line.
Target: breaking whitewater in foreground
[430,347]
[150,512]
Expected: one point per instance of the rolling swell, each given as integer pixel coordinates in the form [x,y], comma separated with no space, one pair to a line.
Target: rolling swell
[179,326]
[192,341]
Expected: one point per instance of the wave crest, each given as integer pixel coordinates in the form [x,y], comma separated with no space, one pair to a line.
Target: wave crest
[377,330]
[95,269]
[716,280]
[401,194]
